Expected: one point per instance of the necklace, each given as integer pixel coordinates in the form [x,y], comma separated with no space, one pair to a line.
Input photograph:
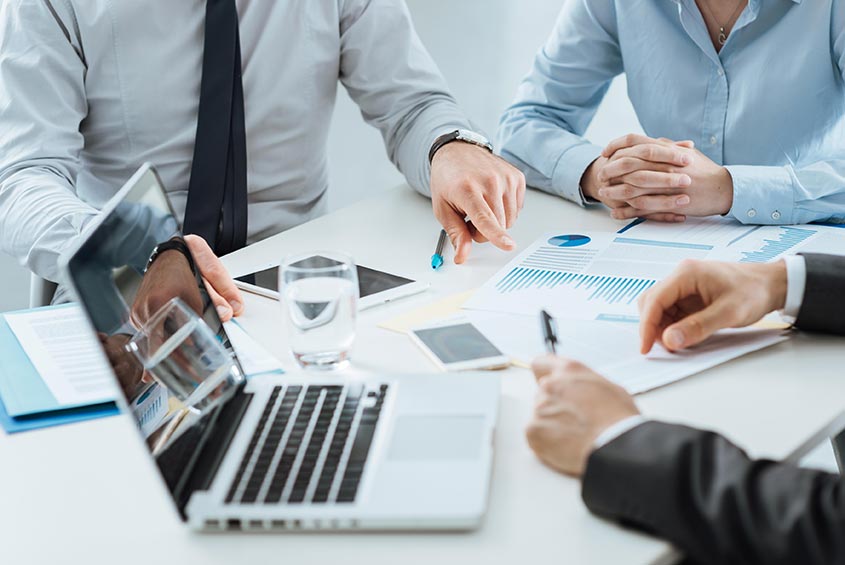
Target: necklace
[723,35]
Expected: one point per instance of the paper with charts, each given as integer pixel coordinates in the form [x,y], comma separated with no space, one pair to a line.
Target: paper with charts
[601,275]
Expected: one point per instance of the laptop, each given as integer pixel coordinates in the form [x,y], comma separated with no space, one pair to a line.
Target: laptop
[284,452]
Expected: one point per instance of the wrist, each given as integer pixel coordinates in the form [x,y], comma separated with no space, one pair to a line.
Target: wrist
[589,181]
[725,190]
[777,283]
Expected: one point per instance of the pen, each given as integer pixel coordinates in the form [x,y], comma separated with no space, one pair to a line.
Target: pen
[549,332]
[437,258]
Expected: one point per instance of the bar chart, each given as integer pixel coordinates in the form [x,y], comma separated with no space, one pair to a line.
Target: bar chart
[776,245]
[606,289]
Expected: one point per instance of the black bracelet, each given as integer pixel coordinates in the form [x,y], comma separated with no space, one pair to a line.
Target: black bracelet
[174,244]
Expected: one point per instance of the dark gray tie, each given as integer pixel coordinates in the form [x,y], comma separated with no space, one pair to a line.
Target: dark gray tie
[217,193]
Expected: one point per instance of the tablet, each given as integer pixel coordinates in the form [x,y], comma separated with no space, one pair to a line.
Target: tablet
[375,287]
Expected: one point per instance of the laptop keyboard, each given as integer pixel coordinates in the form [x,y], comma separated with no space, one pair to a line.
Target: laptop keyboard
[310,446]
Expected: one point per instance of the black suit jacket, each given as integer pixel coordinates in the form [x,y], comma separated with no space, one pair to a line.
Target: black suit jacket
[702,493]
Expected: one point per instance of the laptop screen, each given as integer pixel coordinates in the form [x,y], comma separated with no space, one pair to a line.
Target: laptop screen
[122,300]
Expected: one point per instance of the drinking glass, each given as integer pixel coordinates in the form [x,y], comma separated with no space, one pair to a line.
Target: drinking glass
[182,353]
[320,303]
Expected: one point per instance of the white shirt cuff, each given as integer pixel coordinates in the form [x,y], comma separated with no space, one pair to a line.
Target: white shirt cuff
[617,429]
[796,280]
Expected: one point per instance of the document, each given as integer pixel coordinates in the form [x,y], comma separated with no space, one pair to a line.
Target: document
[254,359]
[447,307]
[587,276]
[729,240]
[65,352]
[612,349]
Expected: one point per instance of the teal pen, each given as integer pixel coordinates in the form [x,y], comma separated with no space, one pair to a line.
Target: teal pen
[437,258]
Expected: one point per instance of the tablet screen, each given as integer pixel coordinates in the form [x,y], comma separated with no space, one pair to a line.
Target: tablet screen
[370,281]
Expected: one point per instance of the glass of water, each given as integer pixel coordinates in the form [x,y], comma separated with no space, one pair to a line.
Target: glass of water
[320,302]
[182,353]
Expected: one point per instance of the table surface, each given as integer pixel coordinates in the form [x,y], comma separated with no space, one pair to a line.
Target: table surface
[86,490]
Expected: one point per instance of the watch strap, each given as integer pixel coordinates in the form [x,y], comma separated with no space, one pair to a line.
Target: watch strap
[174,244]
[454,136]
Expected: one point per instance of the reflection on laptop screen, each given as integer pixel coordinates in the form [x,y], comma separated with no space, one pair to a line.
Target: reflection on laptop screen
[108,273]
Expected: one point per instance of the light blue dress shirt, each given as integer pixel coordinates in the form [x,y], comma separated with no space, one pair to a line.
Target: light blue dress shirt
[770,106]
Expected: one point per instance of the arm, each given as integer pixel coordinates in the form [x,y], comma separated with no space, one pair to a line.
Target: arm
[42,103]
[397,85]
[541,132]
[702,493]
[823,305]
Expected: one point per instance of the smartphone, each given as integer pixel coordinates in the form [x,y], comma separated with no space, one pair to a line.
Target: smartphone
[459,347]
[375,287]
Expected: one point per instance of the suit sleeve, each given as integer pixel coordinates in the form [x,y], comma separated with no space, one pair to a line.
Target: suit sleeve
[703,494]
[823,307]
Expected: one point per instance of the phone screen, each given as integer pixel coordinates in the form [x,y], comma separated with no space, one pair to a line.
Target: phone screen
[454,344]
[370,281]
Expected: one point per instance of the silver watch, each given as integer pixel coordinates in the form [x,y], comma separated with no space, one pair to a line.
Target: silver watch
[464,135]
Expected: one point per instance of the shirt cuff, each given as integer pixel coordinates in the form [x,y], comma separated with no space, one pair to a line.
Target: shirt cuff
[617,429]
[570,168]
[762,195]
[796,280]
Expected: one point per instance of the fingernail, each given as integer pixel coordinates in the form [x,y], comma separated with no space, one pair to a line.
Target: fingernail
[508,241]
[684,181]
[674,338]
[682,200]
[223,312]
[236,306]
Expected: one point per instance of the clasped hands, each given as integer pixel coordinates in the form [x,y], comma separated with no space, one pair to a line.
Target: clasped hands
[659,179]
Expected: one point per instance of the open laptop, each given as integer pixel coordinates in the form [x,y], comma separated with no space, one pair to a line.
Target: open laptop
[287,452]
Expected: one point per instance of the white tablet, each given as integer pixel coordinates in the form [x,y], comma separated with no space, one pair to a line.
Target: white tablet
[376,287]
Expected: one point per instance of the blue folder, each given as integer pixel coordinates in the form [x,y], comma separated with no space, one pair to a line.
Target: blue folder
[26,402]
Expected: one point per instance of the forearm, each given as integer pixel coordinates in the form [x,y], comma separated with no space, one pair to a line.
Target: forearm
[823,305]
[788,195]
[390,75]
[41,218]
[702,493]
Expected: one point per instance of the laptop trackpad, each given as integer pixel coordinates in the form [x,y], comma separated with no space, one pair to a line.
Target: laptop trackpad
[430,437]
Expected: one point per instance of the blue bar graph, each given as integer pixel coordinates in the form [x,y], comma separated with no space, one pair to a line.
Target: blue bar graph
[610,290]
[773,248]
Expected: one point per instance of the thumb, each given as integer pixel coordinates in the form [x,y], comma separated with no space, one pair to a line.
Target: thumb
[696,327]
[458,232]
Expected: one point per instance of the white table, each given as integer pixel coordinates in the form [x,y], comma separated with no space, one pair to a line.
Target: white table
[85,492]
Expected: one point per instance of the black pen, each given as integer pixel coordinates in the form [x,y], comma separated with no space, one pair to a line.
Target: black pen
[437,258]
[549,332]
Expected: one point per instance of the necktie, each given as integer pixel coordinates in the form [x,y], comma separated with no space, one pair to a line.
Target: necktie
[217,197]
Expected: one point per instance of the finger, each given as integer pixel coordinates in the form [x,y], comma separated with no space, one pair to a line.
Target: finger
[220,303]
[624,192]
[520,190]
[654,304]
[659,203]
[215,273]
[619,167]
[495,199]
[483,218]
[625,141]
[655,153]
[655,179]
[457,230]
[511,203]
[667,217]
[545,366]
[477,236]
[697,327]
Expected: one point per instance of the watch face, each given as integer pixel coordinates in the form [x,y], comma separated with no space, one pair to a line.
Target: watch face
[471,136]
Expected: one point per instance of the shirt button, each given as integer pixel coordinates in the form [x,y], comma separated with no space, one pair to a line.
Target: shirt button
[713,140]
[752,213]
[776,215]
[720,72]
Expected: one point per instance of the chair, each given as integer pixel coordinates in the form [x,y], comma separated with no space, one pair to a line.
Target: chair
[41,291]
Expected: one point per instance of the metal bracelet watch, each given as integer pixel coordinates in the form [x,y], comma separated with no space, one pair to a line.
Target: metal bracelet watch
[175,244]
[464,135]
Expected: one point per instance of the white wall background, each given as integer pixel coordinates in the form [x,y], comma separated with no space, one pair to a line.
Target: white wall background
[483,47]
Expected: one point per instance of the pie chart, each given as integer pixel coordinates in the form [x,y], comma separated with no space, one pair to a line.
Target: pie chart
[572,240]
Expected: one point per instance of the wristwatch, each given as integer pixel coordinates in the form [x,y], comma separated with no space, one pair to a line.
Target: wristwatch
[464,135]
[176,244]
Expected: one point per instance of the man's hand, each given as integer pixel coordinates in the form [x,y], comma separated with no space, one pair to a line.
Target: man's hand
[659,179]
[128,369]
[170,276]
[476,196]
[700,298]
[655,166]
[574,406]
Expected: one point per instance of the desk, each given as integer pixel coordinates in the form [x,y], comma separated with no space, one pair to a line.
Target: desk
[65,492]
